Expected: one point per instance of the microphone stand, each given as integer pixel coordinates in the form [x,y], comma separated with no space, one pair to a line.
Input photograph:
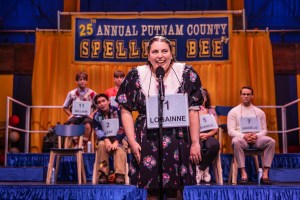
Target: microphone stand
[161,98]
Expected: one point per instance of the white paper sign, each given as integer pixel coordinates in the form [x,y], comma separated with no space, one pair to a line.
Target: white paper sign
[175,111]
[110,127]
[81,108]
[112,101]
[249,124]
[207,122]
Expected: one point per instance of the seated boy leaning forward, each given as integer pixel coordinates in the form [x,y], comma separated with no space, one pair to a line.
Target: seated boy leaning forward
[79,106]
[110,134]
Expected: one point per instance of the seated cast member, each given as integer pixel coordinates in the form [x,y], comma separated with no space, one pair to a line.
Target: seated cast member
[81,93]
[118,79]
[256,139]
[112,92]
[107,145]
[207,141]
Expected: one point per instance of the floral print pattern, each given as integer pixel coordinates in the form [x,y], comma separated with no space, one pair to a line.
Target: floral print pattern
[166,141]
[175,141]
[149,162]
[166,178]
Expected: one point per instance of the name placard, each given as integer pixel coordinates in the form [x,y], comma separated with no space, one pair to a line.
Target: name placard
[207,122]
[249,124]
[175,111]
[110,127]
[81,108]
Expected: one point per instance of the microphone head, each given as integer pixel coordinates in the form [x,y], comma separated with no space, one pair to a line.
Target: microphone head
[160,72]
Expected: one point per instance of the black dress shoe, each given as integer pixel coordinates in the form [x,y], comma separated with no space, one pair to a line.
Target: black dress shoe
[103,179]
[265,181]
[243,181]
[120,178]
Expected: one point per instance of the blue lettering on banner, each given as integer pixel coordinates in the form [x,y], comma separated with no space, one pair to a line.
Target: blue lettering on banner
[206,38]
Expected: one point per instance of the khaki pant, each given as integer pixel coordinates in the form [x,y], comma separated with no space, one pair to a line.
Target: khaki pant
[119,155]
[267,144]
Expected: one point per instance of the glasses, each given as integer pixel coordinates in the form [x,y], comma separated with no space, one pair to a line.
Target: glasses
[119,76]
[246,94]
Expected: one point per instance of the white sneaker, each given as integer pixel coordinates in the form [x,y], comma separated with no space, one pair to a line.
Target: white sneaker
[206,175]
[199,174]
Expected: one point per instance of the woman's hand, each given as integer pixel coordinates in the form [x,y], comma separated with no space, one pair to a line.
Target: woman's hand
[136,151]
[195,153]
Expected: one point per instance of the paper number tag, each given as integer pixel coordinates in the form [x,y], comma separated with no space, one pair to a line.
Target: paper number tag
[175,111]
[249,124]
[110,127]
[81,108]
[207,122]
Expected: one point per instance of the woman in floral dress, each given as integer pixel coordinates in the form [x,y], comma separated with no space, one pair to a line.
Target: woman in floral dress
[180,146]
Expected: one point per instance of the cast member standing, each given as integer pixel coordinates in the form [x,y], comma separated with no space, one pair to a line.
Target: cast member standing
[181,146]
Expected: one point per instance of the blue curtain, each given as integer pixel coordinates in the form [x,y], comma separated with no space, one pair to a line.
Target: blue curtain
[53,192]
[275,14]
[207,192]
[68,168]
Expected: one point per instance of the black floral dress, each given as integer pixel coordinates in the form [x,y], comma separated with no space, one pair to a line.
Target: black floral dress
[177,168]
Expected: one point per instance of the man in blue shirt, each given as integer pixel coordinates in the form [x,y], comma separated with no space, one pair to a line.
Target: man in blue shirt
[109,144]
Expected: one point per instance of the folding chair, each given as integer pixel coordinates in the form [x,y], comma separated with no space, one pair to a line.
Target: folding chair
[254,152]
[66,132]
[96,168]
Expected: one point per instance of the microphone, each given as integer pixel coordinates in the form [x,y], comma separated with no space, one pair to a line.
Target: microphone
[160,73]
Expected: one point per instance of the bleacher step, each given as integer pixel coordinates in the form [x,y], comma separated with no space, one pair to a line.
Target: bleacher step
[32,174]
[285,175]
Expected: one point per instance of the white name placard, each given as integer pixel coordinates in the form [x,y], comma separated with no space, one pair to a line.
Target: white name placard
[81,108]
[175,111]
[207,122]
[110,127]
[249,124]
[113,101]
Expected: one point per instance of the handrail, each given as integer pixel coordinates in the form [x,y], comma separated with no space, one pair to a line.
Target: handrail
[284,130]
[27,130]
[242,12]
[284,125]
[27,123]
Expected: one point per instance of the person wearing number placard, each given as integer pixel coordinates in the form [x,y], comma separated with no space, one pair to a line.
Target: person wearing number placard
[180,146]
[81,97]
[207,141]
[109,143]
[118,79]
[245,139]
[112,92]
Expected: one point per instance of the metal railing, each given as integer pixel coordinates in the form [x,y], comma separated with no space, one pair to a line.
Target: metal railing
[27,130]
[284,131]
